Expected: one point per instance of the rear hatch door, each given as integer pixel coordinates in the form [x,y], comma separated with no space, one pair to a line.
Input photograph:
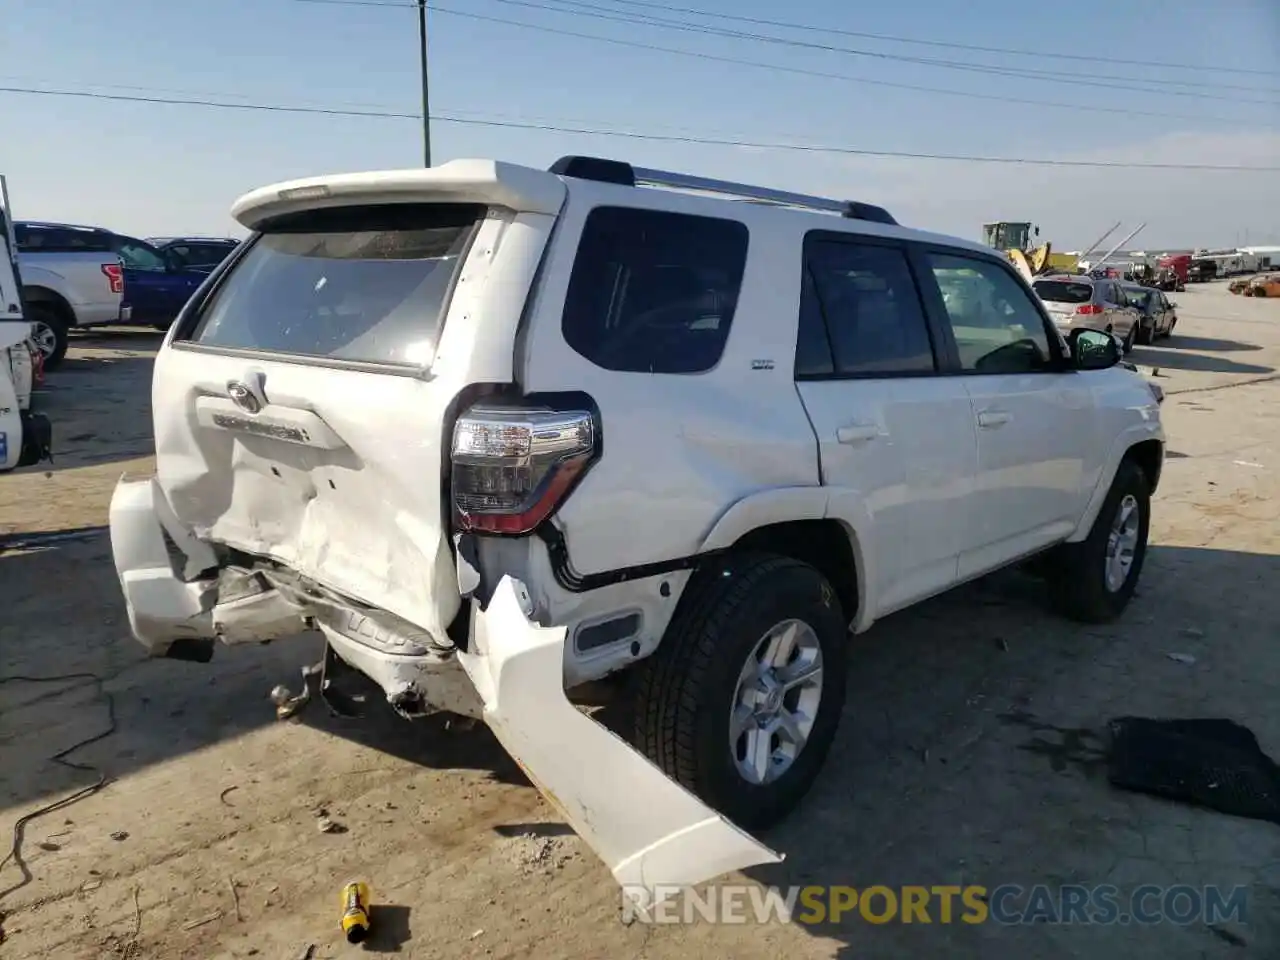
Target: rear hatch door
[1062,298]
[300,409]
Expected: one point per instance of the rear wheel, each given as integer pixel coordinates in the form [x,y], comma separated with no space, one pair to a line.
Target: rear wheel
[50,331]
[1093,581]
[741,701]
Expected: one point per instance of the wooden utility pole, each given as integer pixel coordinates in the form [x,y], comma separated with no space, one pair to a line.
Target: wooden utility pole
[426,102]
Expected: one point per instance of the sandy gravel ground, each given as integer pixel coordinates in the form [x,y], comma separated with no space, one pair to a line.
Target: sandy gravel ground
[964,757]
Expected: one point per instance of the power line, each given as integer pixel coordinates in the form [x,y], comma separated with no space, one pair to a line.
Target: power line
[637,135]
[798,71]
[888,38]
[945,44]
[1103,81]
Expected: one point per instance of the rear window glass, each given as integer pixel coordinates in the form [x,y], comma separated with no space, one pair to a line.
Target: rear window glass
[363,284]
[1063,291]
[653,291]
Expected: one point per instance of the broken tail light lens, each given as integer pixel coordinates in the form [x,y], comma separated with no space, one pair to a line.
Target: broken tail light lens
[512,466]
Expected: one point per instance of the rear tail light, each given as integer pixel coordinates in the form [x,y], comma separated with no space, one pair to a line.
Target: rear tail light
[115,275]
[513,466]
[1089,308]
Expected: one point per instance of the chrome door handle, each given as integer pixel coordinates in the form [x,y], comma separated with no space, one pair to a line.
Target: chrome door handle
[991,419]
[857,433]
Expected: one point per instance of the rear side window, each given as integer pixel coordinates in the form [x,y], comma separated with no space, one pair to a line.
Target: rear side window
[653,291]
[362,284]
[1063,291]
[55,239]
[860,314]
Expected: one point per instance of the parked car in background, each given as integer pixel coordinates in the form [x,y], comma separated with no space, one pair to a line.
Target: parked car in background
[72,277]
[195,253]
[1157,314]
[1090,302]
[1202,271]
[157,282]
[1267,285]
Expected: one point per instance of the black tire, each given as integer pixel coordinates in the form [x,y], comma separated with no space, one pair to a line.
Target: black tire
[1079,584]
[56,323]
[685,691]
[1146,334]
[1127,347]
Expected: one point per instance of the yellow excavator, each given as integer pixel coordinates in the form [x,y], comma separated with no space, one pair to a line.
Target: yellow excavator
[1015,240]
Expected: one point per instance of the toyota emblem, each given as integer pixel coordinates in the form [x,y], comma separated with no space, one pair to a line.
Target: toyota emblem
[243,397]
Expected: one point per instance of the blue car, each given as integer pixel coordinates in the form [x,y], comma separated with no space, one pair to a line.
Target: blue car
[159,280]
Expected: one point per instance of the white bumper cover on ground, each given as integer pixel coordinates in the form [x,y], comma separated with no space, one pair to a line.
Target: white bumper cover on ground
[654,835]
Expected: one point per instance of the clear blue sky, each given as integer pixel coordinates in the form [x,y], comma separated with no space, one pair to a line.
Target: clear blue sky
[154,168]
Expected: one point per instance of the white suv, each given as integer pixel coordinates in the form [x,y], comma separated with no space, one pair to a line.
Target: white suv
[497,432]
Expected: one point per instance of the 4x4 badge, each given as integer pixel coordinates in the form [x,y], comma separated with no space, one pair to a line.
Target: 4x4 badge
[243,397]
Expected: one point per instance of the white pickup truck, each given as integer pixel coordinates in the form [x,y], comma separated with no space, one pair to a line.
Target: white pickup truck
[71,277]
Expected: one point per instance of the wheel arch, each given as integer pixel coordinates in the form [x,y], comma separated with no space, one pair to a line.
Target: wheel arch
[1143,444]
[35,293]
[809,524]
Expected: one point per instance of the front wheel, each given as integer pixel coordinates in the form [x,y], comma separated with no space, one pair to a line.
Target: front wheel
[50,332]
[1127,347]
[1093,580]
[741,701]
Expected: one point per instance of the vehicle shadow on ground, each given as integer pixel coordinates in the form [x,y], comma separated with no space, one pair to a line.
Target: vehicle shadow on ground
[1180,342]
[954,766]
[1178,359]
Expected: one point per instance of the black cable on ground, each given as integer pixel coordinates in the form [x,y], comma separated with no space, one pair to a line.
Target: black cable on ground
[19,826]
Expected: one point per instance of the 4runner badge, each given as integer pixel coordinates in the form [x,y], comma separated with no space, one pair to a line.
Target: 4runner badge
[243,397]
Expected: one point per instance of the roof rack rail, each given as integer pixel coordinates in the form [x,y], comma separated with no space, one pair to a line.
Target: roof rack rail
[624,174]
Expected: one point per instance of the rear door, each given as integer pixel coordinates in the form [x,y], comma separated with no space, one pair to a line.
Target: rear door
[301,407]
[1033,416]
[889,427]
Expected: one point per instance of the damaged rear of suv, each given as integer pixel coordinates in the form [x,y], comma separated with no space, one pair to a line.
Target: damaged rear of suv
[497,432]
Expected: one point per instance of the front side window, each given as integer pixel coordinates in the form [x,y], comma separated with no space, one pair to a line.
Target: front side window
[654,291]
[136,255]
[365,284]
[860,313]
[996,326]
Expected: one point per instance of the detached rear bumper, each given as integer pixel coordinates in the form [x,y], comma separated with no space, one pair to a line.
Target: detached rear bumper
[654,835]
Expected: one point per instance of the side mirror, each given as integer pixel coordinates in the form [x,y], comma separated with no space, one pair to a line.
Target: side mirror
[1093,349]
